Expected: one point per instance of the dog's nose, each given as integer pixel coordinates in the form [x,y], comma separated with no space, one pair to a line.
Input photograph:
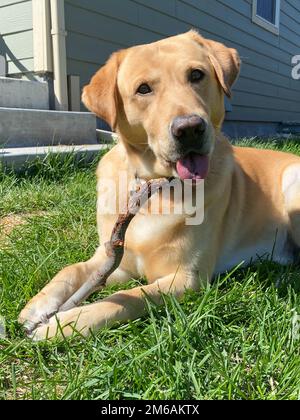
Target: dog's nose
[189,127]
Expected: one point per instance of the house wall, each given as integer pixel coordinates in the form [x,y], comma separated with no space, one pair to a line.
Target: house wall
[16,35]
[265,93]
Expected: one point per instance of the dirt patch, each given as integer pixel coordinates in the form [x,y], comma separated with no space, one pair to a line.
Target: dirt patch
[10,222]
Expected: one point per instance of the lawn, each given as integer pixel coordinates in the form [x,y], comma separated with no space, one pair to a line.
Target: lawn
[237,339]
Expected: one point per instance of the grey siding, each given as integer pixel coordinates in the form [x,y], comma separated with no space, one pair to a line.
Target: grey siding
[16,35]
[265,92]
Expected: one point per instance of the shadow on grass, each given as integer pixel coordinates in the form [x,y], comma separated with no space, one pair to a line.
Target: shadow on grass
[284,278]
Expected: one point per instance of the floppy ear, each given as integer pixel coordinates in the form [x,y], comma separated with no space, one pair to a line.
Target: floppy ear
[101,95]
[226,61]
[227,64]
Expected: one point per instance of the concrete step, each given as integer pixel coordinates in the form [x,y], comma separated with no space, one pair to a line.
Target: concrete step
[18,93]
[18,158]
[31,128]
[106,137]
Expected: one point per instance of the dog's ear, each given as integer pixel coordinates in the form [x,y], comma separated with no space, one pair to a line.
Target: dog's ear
[226,61]
[227,64]
[101,95]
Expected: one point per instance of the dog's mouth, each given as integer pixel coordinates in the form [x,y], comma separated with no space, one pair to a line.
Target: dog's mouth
[193,166]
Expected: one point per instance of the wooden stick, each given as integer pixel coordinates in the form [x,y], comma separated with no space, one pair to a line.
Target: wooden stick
[115,247]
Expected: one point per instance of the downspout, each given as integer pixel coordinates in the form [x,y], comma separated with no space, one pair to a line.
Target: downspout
[42,42]
[58,33]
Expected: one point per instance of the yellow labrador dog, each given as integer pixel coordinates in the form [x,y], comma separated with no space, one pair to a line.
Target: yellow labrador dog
[166,102]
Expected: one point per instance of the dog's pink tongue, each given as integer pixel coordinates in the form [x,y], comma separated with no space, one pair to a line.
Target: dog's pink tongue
[193,166]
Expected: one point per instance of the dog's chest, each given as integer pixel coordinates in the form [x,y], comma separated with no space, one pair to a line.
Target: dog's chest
[160,221]
[152,230]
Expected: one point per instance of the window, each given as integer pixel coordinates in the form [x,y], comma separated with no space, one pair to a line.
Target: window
[266,13]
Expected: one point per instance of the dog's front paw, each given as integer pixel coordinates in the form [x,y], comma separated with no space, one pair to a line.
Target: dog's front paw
[38,311]
[62,325]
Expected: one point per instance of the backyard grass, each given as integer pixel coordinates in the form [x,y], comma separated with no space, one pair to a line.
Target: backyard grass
[238,339]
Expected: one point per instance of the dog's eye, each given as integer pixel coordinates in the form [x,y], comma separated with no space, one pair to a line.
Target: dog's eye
[196,76]
[144,89]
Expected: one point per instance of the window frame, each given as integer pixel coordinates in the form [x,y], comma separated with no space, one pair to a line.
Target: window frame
[271,27]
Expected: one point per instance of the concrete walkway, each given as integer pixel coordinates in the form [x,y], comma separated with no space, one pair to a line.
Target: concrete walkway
[17,158]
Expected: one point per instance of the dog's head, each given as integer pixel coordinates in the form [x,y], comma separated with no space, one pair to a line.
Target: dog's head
[166,102]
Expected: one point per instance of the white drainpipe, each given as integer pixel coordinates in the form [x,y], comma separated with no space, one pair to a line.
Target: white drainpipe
[42,42]
[58,32]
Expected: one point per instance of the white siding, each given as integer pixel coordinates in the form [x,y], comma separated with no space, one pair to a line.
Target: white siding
[16,38]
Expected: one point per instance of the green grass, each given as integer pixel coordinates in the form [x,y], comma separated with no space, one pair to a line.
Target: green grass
[234,340]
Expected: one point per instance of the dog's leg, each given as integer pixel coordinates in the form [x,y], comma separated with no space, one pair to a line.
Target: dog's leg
[46,303]
[291,191]
[121,306]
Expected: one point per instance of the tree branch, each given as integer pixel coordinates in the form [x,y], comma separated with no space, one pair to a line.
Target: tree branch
[115,247]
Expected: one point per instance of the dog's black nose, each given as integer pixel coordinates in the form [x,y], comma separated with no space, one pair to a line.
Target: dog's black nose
[188,127]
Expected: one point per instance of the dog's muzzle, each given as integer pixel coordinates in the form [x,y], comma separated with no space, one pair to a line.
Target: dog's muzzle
[190,136]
